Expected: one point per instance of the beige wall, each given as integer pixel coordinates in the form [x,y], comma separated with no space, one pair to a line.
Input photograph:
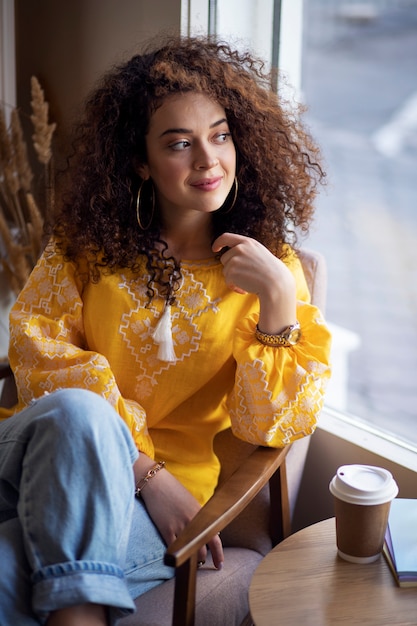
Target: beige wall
[67,44]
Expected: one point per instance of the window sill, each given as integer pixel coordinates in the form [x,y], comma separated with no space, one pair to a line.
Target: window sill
[351,429]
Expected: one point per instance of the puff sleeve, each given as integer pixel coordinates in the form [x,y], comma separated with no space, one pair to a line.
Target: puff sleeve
[48,349]
[279,391]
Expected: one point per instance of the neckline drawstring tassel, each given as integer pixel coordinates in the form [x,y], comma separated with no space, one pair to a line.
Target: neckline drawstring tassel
[162,335]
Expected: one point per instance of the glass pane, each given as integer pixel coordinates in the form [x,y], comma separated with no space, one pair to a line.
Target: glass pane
[247,24]
[360,84]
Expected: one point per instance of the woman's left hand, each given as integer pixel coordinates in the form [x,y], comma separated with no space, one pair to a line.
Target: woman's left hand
[171,507]
[249,267]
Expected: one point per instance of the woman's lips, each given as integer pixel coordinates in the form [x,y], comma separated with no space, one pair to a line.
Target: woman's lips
[207,184]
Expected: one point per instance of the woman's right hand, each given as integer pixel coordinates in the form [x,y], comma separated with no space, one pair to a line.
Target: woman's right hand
[171,506]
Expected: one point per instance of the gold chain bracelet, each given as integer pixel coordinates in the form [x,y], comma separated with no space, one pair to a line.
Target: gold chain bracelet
[150,474]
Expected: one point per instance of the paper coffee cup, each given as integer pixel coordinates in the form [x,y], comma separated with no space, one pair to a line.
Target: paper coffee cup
[362,500]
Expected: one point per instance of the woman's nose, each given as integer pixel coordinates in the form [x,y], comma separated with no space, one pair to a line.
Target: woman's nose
[205,157]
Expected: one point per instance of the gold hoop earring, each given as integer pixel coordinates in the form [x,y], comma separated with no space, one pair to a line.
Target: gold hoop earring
[236,185]
[138,205]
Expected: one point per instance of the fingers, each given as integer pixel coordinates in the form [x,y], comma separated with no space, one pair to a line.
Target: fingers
[249,267]
[226,246]
[216,549]
[202,555]
[236,289]
[227,240]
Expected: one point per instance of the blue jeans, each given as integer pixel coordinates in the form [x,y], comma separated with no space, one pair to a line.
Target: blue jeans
[71,530]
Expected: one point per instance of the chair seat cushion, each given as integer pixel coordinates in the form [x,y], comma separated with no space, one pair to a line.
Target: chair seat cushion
[222,596]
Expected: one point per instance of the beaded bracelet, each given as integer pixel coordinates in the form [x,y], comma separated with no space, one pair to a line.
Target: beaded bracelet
[150,474]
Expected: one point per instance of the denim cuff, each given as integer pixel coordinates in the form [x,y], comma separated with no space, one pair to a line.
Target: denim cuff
[68,584]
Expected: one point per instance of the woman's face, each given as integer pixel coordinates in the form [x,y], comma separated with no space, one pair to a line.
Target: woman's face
[191,156]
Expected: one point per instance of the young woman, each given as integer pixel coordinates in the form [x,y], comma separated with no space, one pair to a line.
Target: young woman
[170,295]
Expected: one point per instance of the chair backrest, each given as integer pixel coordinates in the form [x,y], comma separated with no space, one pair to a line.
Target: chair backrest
[315,271]
[8,393]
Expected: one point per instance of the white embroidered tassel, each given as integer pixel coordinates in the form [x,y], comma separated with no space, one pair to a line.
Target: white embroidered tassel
[162,335]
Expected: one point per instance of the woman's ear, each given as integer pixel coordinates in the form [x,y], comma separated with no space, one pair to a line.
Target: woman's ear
[141,169]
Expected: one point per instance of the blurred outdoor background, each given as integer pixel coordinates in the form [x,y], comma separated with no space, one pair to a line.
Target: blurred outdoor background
[359,81]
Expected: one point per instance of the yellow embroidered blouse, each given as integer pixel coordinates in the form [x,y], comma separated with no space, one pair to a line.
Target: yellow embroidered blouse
[65,333]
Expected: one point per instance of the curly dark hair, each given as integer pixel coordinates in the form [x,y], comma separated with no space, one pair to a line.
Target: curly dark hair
[278,164]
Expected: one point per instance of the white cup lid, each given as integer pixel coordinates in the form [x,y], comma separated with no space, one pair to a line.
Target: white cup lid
[363,484]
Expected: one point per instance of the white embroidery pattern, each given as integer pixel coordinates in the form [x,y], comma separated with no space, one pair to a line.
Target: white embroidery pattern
[191,303]
[292,415]
[55,341]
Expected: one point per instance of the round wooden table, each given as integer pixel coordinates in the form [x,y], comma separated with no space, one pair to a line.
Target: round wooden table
[304,582]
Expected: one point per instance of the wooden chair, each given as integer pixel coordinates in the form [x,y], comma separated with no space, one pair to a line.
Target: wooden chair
[252,508]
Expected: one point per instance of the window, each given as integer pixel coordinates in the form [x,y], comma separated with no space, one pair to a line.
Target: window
[360,84]
[247,23]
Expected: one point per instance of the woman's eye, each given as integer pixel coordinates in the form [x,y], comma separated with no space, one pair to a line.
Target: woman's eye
[180,145]
[223,137]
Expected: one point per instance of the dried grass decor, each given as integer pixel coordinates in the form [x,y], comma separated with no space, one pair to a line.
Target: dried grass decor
[21,217]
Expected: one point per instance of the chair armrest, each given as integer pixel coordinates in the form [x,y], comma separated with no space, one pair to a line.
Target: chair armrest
[226,503]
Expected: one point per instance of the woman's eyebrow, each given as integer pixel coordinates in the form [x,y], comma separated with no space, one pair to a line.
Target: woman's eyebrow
[182,131]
